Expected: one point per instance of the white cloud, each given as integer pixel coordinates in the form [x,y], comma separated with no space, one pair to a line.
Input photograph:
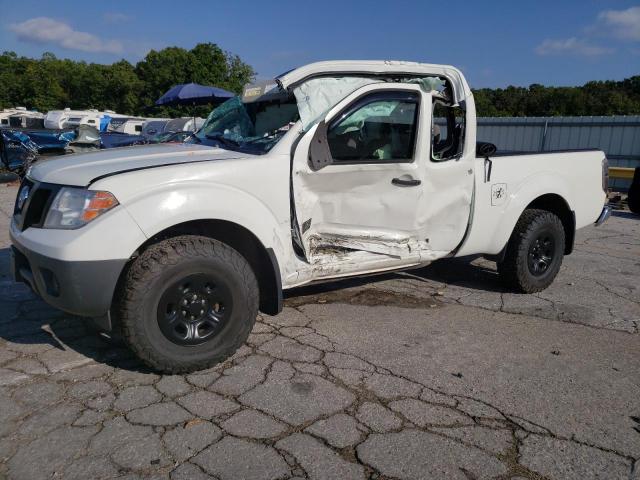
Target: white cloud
[623,24]
[571,46]
[116,17]
[44,30]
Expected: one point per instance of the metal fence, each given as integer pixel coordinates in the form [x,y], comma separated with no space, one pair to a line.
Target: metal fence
[618,137]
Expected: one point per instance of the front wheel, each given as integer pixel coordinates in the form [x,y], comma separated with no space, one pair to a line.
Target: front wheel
[187,303]
[534,252]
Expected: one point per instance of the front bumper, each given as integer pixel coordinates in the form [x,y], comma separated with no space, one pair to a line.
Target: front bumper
[604,215]
[82,288]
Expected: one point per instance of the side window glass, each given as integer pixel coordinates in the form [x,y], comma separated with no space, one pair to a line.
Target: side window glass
[447,132]
[379,128]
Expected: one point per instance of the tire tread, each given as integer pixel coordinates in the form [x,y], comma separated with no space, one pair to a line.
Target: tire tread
[513,268]
[137,285]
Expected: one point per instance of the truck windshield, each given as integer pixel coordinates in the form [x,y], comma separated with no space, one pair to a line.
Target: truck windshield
[254,127]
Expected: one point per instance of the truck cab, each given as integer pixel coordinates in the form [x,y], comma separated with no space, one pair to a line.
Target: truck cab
[331,170]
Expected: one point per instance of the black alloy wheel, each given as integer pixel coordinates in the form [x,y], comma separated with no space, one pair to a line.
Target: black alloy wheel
[186,303]
[534,252]
[194,310]
[541,254]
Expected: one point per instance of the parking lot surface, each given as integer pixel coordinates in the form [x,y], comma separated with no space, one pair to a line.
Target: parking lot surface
[432,373]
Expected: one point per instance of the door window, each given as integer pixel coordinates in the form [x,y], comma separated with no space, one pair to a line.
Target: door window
[447,132]
[377,128]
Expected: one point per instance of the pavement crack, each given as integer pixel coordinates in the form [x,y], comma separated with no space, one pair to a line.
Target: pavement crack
[613,292]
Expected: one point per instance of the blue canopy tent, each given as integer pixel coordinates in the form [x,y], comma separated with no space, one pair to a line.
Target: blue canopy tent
[194,94]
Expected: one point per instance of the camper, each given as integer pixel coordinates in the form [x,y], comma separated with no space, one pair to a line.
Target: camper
[128,125]
[154,126]
[67,118]
[184,124]
[20,117]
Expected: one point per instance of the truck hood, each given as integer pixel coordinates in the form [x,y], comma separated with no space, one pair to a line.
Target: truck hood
[82,169]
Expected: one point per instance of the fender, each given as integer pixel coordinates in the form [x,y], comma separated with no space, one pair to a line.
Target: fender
[249,192]
[177,204]
[162,208]
[492,225]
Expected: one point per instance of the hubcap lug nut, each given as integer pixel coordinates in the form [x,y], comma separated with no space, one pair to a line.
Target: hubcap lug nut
[201,312]
[184,312]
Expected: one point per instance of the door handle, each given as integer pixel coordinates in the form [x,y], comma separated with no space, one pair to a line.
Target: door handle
[406,182]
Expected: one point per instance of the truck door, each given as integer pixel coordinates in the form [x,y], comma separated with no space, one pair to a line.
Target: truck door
[363,180]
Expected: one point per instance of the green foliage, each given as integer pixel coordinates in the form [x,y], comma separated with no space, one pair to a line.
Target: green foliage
[50,83]
[594,98]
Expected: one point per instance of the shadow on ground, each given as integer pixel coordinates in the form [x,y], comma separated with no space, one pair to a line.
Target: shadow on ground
[461,272]
[625,214]
[28,321]
[32,325]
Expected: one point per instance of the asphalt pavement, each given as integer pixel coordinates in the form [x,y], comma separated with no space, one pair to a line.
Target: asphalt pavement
[433,373]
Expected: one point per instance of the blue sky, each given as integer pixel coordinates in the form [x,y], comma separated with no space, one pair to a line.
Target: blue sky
[495,43]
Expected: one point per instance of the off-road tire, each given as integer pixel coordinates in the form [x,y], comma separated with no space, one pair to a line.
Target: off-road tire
[147,277]
[514,268]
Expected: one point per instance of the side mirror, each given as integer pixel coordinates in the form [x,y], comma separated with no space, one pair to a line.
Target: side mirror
[319,153]
[485,149]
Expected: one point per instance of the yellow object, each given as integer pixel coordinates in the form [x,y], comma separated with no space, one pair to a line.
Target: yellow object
[621,172]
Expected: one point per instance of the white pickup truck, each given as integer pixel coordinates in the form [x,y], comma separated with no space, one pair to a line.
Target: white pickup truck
[331,170]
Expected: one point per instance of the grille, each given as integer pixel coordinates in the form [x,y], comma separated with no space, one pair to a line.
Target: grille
[33,210]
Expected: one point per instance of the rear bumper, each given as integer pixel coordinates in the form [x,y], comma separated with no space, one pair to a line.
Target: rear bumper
[82,288]
[604,215]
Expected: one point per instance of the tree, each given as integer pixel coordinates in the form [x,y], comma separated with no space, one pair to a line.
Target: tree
[52,83]
[206,63]
[123,88]
[593,98]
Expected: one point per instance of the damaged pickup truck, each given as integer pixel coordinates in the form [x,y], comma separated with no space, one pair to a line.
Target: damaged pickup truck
[331,170]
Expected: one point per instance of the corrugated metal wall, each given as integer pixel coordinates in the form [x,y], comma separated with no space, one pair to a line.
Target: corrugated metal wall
[618,136]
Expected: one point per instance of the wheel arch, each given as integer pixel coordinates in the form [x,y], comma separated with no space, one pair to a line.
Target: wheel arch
[262,260]
[556,204]
[553,203]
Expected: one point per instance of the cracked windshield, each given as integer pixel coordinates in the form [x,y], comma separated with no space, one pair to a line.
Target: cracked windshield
[251,126]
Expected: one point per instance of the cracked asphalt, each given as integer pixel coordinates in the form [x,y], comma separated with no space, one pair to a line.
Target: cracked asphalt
[433,373]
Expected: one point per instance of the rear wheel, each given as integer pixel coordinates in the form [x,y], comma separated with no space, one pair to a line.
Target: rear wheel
[187,303]
[534,252]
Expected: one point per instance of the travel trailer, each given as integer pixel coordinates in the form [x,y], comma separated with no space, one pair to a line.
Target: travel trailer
[20,117]
[154,126]
[67,118]
[184,124]
[129,125]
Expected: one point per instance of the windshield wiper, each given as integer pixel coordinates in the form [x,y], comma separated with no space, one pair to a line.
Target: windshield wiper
[222,139]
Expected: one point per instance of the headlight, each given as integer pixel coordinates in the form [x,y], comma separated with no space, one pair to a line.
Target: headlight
[75,207]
